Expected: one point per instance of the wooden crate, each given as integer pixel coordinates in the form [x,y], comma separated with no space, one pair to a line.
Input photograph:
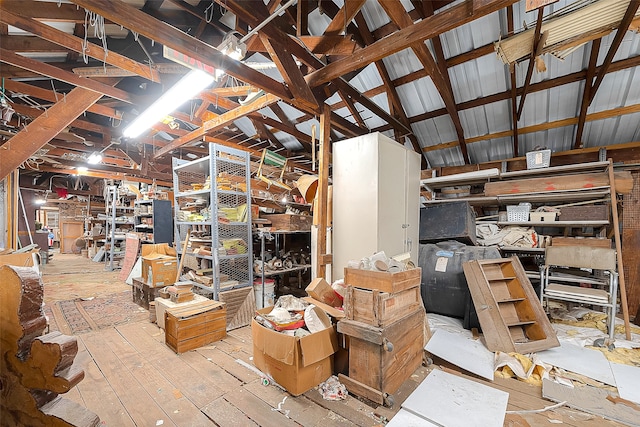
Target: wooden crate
[594,242]
[382,281]
[584,213]
[380,308]
[381,359]
[142,294]
[290,222]
[188,328]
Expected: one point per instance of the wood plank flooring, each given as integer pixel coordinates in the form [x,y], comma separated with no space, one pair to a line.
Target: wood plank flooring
[133,379]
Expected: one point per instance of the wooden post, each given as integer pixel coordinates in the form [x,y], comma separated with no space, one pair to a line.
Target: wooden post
[320,211]
[616,232]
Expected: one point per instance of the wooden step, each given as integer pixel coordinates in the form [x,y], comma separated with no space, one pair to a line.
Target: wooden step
[508,308]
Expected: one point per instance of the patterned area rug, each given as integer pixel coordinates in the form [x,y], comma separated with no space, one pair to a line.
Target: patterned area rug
[80,316]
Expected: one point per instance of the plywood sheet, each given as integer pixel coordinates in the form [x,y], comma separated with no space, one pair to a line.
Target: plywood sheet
[405,418]
[592,400]
[627,380]
[467,353]
[241,306]
[584,361]
[452,401]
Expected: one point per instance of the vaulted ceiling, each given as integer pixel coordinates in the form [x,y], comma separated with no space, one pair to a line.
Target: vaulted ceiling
[458,81]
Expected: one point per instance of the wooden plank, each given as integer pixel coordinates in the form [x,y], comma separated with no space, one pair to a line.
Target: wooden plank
[300,410]
[200,390]
[622,287]
[44,128]
[591,400]
[257,410]
[208,368]
[74,43]
[362,390]
[383,281]
[228,363]
[351,409]
[321,213]
[176,406]
[140,405]
[224,413]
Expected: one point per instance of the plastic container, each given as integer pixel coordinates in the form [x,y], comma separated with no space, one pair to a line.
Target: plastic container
[443,285]
[538,159]
[269,293]
[543,216]
[519,213]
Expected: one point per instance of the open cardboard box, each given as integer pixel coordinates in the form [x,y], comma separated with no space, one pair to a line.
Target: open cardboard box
[297,364]
[159,265]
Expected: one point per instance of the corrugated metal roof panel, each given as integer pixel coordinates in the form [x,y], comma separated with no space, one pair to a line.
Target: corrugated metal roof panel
[419,96]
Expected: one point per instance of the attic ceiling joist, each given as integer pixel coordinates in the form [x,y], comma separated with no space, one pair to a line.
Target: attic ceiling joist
[44,128]
[54,72]
[428,28]
[77,44]
[130,17]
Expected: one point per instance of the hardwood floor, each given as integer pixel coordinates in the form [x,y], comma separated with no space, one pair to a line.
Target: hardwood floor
[133,379]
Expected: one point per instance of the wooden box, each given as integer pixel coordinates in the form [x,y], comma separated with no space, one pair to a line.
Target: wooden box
[142,294]
[188,328]
[290,222]
[381,359]
[382,281]
[380,308]
[164,304]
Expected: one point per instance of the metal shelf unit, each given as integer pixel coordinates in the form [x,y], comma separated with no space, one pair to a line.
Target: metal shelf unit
[115,212]
[212,201]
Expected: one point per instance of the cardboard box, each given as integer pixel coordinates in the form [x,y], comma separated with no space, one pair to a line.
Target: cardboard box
[297,364]
[159,265]
[23,259]
[322,291]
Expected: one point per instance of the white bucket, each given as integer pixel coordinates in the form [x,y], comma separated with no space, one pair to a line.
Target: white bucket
[269,293]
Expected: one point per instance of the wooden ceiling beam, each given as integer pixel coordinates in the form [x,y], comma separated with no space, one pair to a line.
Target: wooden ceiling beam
[37,133]
[77,44]
[584,105]
[303,138]
[29,44]
[396,12]
[514,87]
[53,72]
[600,115]
[49,95]
[537,87]
[33,112]
[538,43]
[106,175]
[302,19]
[345,15]
[291,74]
[200,14]
[218,122]
[130,17]
[617,40]
[45,11]
[455,16]
[265,134]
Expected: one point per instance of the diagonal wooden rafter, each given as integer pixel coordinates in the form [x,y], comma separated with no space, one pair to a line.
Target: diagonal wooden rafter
[292,75]
[218,122]
[62,75]
[266,134]
[302,19]
[48,95]
[514,88]
[584,105]
[396,12]
[37,133]
[394,99]
[254,14]
[429,27]
[45,11]
[620,33]
[538,43]
[344,16]
[74,43]
[130,17]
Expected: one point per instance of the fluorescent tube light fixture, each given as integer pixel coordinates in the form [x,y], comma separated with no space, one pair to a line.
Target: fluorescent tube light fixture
[94,158]
[189,86]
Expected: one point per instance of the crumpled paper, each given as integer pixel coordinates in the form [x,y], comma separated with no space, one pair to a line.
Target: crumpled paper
[525,368]
[333,389]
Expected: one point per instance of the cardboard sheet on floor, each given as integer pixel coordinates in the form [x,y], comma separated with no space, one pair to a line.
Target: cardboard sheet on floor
[591,400]
[449,400]
[136,271]
[627,380]
[467,353]
[580,360]
[405,418]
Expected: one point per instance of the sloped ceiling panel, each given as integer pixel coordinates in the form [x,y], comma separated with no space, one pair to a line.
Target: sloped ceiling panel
[493,149]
